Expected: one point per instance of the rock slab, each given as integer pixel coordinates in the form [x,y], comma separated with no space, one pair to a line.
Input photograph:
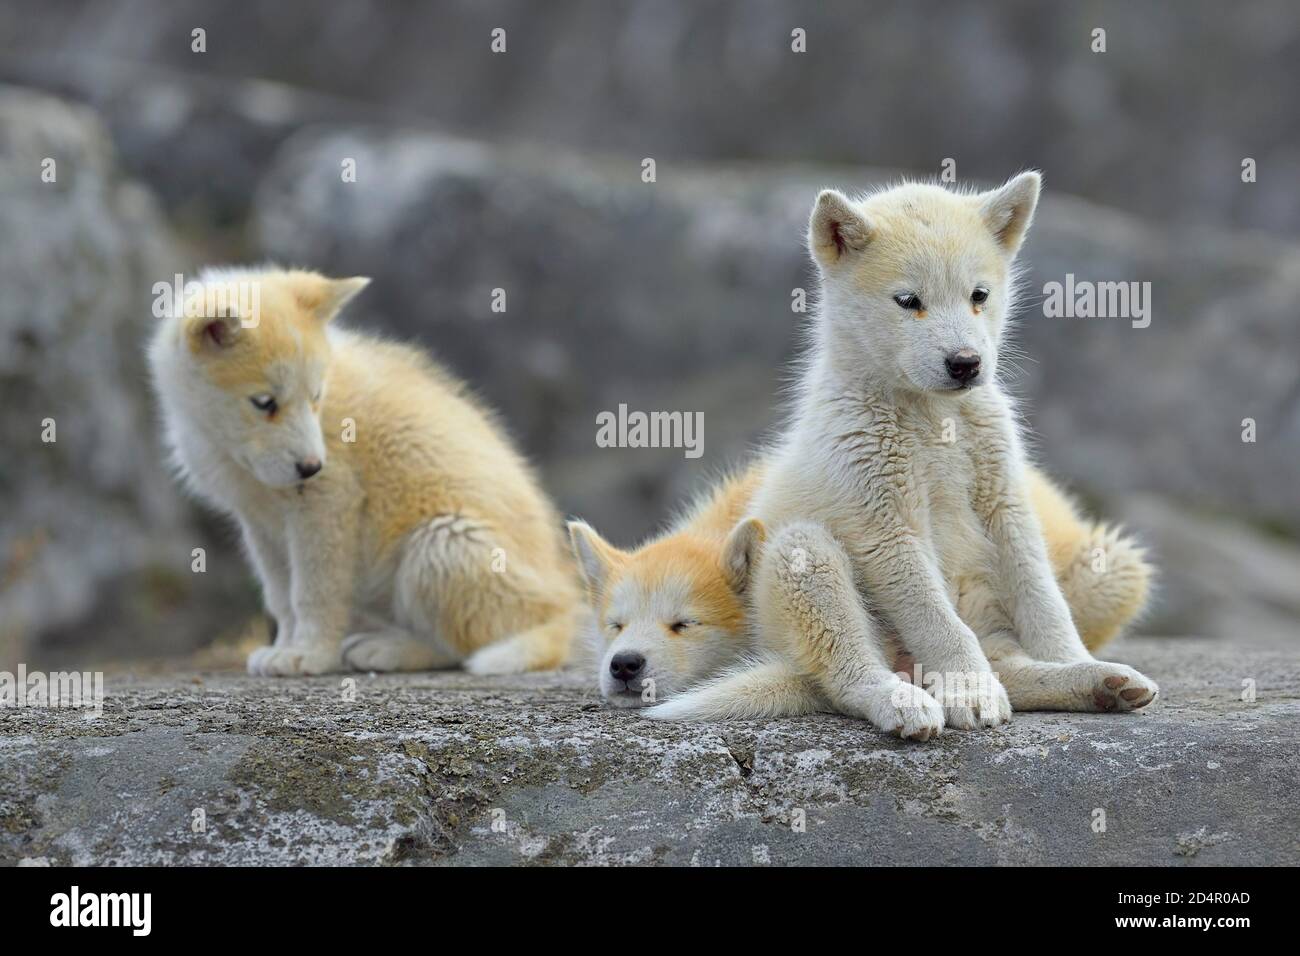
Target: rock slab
[448,768]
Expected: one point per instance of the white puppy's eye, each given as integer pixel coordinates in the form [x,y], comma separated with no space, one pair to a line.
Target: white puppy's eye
[980,295]
[678,626]
[909,300]
[615,626]
[264,403]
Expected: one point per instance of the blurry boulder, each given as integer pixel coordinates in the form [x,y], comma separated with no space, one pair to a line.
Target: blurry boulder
[199,143]
[678,295]
[1160,122]
[1217,575]
[562,288]
[95,543]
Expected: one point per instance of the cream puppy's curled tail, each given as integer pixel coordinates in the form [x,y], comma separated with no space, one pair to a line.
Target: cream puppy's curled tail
[1104,575]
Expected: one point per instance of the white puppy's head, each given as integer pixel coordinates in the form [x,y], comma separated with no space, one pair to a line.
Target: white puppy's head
[245,366]
[669,614]
[917,280]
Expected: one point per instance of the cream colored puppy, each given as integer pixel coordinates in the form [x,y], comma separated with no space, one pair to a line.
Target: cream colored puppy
[388,519]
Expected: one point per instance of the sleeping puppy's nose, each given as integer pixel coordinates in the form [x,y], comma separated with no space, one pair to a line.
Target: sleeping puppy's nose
[963,365]
[308,467]
[626,665]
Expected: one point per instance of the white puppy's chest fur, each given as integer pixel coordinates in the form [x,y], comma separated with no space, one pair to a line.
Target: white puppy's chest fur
[919,463]
[944,475]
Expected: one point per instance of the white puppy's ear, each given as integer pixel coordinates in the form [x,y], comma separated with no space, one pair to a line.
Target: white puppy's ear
[740,552]
[836,230]
[1009,209]
[323,297]
[595,555]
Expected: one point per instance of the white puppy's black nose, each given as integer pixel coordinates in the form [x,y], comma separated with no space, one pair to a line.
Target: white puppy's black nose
[308,467]
[626,665]
[963,365]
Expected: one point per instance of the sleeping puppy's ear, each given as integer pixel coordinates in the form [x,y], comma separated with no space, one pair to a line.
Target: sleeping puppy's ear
[740,552]
[596,557]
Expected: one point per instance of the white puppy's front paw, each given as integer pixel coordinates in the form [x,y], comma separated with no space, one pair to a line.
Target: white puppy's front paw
[970,707]
[903,708]
[294,661]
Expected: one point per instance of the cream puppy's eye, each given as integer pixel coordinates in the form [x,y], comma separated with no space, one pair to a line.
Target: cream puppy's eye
[264,403]
[614,626]
[678,626]
[980,295]
[909,300]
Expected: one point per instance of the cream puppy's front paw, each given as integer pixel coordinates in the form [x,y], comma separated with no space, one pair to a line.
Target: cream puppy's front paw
[294,661]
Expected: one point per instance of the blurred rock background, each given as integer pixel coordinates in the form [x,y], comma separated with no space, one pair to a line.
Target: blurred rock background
[522,171]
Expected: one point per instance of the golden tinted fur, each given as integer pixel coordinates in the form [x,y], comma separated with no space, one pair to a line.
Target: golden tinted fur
[694,551]
[421,540]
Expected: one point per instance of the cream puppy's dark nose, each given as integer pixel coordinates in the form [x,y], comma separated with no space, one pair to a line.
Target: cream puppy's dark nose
[308,467]
[626,665]
[963,365]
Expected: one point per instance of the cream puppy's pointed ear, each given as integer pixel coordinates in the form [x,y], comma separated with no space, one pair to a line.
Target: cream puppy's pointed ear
[837,230]
[325,297]
[213,332]
[1009,209]
[596,556]
[740,552]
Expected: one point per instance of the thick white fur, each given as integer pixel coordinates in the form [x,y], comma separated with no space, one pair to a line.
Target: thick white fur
[914,489]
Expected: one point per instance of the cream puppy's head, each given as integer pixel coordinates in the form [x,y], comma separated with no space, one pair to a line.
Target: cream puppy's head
[242,365]
[669,614]
[917,280]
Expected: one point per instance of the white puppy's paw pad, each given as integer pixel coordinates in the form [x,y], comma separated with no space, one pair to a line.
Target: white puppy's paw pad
[1121,688]
[293,661]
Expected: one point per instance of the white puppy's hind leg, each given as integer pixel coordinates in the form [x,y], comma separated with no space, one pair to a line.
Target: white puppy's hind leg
[1089,686]
[806,598]
[757,689]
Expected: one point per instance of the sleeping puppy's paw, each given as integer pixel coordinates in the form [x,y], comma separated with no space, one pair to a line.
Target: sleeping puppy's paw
[297,661]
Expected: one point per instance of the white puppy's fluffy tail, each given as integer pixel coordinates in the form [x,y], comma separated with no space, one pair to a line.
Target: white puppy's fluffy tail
[763,687]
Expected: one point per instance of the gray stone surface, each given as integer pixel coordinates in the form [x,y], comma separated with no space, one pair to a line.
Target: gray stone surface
[417,769]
